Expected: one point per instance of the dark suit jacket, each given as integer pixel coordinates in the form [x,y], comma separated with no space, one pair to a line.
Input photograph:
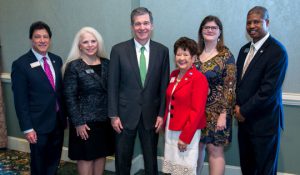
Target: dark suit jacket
[35,99]
[259,93]
[86,92]
[127,98]
[187,103]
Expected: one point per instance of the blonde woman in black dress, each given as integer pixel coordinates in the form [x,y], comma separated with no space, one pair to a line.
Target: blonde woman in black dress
[91,136]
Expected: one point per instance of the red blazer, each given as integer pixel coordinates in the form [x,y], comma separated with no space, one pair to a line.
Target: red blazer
[187,104]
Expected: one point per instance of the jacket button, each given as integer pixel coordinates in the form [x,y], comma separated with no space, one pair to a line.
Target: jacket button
[172,107]
[171,115]
[173,97]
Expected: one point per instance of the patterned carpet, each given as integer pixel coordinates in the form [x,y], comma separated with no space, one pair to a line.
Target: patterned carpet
[17,163]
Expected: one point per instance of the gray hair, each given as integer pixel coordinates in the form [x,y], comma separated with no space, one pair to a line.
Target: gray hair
[140,11]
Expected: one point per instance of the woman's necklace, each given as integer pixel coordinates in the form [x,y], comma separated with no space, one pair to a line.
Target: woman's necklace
[207,55]
[180,75]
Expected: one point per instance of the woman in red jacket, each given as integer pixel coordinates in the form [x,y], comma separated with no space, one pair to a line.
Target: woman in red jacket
[185,112]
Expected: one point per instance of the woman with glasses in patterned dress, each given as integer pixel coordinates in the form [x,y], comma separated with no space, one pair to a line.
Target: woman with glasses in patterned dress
[217,63]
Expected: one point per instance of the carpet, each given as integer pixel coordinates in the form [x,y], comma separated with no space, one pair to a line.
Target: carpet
[17,163]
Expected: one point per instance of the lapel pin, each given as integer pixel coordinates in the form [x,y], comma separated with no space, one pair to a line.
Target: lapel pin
[246,50]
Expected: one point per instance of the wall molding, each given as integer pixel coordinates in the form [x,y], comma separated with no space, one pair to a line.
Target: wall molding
[290,99]
[20,144]
[5,77]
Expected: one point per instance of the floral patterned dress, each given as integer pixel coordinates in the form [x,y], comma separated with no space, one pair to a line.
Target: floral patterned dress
[220,72]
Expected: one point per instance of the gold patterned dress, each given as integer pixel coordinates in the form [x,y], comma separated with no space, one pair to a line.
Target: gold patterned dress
[220,72]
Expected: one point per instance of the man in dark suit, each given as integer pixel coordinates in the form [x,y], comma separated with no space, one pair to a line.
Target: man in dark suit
[138,78]
[261,68]
[37,88]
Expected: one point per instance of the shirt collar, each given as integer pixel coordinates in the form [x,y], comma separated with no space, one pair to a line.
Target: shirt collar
[38,56]
[138,45]
[259,43]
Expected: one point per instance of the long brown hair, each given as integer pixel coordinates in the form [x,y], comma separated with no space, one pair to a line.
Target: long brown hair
[201,44]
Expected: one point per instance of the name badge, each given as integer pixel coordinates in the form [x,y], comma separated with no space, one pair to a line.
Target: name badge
[35,64]
[89,71]
[172,80]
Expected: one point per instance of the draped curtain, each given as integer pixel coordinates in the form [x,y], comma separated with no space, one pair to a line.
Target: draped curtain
[3,131]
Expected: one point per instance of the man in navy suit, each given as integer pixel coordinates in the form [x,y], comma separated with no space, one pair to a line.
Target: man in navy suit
[38,100]
[138,78]
[261,68]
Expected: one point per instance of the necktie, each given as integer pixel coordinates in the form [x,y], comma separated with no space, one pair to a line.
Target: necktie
[248,59]
[143,65]
[48,72]
[50,77]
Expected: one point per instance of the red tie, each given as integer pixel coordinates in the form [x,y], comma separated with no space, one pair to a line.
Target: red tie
[48,72]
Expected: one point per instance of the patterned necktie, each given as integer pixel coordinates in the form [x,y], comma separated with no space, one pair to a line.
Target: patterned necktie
[143,65]
[248,59]
[48,72]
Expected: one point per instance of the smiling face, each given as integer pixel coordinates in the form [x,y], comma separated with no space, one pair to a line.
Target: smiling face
[183,59]
[142,28]
[88,45]
[211,31]
[40,41]
[257,27]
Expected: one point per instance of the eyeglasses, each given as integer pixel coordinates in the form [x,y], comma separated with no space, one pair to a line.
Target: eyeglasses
[212,28]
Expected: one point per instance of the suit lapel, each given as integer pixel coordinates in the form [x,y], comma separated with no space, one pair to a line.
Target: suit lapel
[133,61]
[256,58]
[93,74]
[89,71]
[152,61]
[242,61]
[186,79]
[57,70]
[40,71]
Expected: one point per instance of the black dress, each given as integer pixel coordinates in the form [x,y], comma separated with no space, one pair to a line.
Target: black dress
[101,135]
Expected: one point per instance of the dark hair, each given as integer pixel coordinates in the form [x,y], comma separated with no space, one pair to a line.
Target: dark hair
[37,26]
[186,43]
[262,11]
[220,44]
[140,11]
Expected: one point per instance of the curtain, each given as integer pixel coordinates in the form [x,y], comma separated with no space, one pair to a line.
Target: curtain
[3,131]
